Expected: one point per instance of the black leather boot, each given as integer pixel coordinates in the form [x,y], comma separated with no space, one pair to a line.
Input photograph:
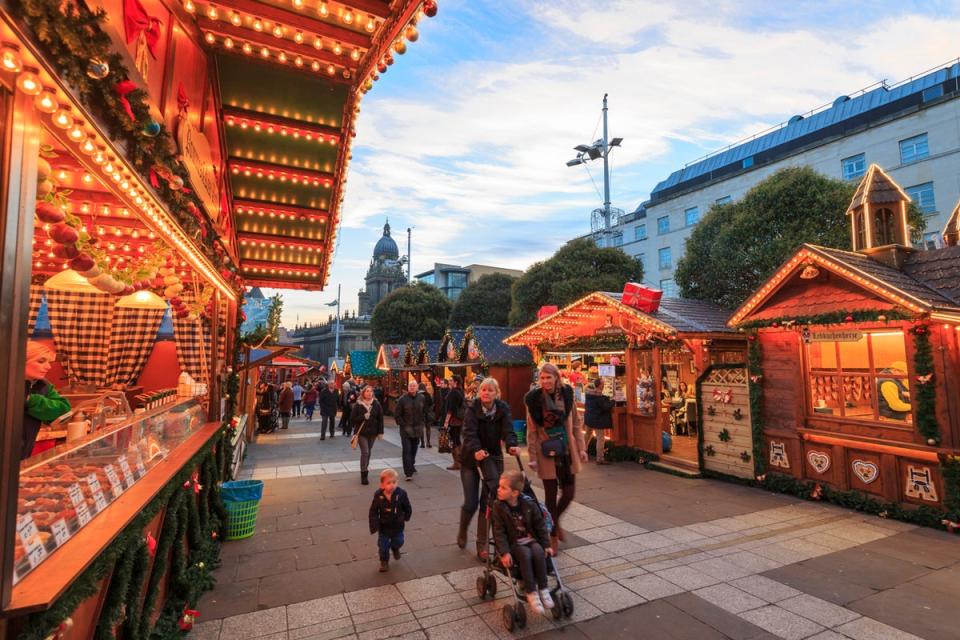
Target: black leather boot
[482,551]
[462,531]
[363,477]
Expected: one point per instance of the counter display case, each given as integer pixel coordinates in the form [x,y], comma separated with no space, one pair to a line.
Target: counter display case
[64,489]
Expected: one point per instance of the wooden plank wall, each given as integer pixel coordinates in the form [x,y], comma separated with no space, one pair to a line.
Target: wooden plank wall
[727,457]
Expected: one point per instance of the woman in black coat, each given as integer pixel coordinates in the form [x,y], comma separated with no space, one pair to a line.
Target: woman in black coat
[486,425]
[598,415]
[366,418]
[455,410]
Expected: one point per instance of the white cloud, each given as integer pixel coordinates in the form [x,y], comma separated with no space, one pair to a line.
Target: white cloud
[472,153]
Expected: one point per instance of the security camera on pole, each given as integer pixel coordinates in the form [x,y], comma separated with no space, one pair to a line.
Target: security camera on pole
[603,219]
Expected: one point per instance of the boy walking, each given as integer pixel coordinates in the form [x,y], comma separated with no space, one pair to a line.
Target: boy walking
[520,534]
[389,513]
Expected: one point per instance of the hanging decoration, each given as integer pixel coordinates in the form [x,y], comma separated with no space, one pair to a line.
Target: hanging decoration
[926,395]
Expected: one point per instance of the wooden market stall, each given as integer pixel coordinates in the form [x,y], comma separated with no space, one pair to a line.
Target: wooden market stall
[857,359]
[181,150]
[649,362]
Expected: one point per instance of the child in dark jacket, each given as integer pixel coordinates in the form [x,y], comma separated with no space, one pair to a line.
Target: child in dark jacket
[520,534]
[389,513]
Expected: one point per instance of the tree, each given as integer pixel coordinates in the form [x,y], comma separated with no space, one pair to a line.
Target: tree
[417,312]
[273,317]
[578,268]
[737,246]
[484,302]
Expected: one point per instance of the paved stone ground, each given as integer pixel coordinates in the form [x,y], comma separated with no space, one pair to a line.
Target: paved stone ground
[647,555]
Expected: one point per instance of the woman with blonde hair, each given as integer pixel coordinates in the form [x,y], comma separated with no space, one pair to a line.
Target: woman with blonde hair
[486,427]
[554,442]
[42,403]
[366,418]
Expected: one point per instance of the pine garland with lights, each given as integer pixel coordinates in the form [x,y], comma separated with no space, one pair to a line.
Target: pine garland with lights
[755,373]
[834,317]
[950,470]
[926,394]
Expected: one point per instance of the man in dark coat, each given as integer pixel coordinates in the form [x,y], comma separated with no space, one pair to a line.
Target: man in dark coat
[329,400]
[411,415]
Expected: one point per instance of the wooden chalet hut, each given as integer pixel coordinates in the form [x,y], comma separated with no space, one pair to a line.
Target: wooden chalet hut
[856,359]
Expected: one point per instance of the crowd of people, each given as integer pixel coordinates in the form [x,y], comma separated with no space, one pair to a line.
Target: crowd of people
[475,425]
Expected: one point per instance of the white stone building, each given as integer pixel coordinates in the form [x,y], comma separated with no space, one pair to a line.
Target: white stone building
[911,129]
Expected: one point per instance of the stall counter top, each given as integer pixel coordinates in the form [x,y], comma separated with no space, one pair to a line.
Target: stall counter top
[42,587]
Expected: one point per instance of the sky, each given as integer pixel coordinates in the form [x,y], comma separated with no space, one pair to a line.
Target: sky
[466,137]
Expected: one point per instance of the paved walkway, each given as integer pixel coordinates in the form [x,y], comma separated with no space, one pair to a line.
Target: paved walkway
[648,555]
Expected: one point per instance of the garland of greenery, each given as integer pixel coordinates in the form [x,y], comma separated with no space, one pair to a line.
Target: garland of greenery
[834,317]
[926,394]
[168,534]
[141,565]
[592,343]
[125,549]
[70,36]
[115,603]
[950,470]
[755,373]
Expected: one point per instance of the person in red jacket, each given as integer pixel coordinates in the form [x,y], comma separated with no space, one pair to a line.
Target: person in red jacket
[286,405]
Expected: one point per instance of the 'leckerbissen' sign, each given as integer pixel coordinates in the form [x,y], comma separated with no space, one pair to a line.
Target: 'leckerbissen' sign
[836,336]
[197,158]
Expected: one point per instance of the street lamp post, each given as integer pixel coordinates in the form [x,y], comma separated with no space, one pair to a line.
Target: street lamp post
[336,329]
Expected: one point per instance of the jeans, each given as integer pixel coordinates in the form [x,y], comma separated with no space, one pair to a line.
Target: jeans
[327,423]
[410,446]
[532,563]
[284,420]
[366,445]
[308,409]
[296,407]
[473,495]
[345,422]
[387,542]
[425,438]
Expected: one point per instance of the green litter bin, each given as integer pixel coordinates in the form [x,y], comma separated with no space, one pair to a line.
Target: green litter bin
[520,428]
[242,501]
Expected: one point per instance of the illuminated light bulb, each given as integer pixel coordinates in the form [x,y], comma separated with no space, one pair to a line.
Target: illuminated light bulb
[317,44]
[62,118]
[108,168]
[298,61]
[348,17]
[278,31]
[189,6]
[210,38]
[323,10]
[76,133]
[29,83]
[212,13]
[247,48]
[257,24]
[87,178]
[337,49]
[264,52]
[315,65]
[298,4]
[228,43]
[235,19]
[46,102]
[371,24]
[331,70]
[355,54]
[282,57]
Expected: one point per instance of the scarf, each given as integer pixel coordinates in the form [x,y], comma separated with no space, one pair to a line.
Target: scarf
[554,416]
[489,413]
[367,407]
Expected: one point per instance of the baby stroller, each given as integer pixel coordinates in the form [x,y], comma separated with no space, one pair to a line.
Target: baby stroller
[267,419]
[514,615]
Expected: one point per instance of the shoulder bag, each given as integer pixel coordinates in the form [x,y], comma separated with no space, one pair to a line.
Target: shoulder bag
[355,440]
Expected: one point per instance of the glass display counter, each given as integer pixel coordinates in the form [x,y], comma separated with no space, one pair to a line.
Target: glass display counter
[64,489]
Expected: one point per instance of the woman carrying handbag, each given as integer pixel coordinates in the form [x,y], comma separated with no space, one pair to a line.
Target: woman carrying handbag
[366,418]
[554,443]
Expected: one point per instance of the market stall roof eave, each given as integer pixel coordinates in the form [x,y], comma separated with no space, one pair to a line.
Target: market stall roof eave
[673,317]
[927,284]
[260,356]
[363,364]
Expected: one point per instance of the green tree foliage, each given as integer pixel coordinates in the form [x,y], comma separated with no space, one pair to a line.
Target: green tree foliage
[273,317]
[737,246]
[417,312]
[578,268]
[484,302]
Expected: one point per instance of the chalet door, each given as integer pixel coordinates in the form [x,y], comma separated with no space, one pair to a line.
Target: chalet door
[726,435]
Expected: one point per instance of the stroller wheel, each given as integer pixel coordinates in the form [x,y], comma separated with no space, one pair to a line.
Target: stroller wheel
[521,616]
[557,609]
[566,603]
[492,585]
[507,614]
[482,587]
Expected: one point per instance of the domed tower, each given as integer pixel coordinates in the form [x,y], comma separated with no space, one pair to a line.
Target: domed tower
[385,273]
[878,218]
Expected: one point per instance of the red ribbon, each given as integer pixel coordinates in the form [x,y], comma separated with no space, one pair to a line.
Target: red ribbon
[183,103]
[122,89]
[151,544]
[136,20]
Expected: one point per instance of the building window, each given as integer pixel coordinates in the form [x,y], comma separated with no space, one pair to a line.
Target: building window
[426,278]
[747,163]
[618,239]
[922,196]
[669,288]
[663,225]
[854,166]
[640,232]
[642,259]
[665,258]
[884,227]
[724,200]
[931,240]
[913,149]
[863,379]
[691,216]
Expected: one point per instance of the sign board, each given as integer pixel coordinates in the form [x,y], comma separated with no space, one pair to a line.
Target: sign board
[609,331]
[836,336]
[197,157]
[607,370]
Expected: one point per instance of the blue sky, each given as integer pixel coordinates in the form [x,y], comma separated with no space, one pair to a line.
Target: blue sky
[466,136]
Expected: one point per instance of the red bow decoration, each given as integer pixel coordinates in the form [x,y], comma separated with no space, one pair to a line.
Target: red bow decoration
[724,396]
[136,20]
[122,89]
[151,544]
[188,618]
[182,101]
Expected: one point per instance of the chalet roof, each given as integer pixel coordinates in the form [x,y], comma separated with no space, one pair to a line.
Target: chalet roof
[433,347]
[392,363]
[951,232]
[687,316]
[364,364]
[490,340]
[938,269]
[876,187]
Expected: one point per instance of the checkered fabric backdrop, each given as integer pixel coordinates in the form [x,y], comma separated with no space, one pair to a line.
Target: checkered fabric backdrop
[36,299]
[81,323]
[131,341]
[222,316]
[191,336]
